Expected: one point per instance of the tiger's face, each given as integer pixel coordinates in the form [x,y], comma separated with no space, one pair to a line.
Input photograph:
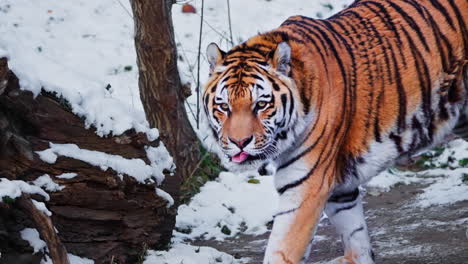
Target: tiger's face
[250,103]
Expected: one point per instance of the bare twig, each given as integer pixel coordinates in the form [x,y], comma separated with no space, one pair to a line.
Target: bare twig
[198,65]
[229,20]
[126,10]
[215,30]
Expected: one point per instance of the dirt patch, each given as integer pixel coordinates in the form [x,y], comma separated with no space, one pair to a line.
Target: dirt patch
[400,233]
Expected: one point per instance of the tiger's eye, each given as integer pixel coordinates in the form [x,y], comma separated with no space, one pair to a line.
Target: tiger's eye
[261,104]
[225,107]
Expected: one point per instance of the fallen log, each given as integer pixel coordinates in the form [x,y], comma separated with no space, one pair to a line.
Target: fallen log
[98,214]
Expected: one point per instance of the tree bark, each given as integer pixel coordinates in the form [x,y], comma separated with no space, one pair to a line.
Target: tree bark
[44,225]
[97,214]
[160,88]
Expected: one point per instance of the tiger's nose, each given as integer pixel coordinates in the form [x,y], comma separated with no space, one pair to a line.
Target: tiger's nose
[241,143]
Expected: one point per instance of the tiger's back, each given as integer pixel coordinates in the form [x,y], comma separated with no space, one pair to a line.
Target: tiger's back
[398,69]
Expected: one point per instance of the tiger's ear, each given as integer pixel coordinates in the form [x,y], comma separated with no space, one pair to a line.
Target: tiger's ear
[282,58]
[214,55]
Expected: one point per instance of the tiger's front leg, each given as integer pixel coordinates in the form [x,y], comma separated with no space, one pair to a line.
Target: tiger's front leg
[345,211]
[302,200]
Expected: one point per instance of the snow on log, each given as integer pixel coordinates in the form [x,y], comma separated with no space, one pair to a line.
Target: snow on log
[98,214]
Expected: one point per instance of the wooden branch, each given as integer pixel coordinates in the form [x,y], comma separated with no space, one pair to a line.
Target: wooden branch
[44,225]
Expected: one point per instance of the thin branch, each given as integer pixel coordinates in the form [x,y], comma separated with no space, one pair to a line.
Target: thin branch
[215,30]
[229,20]
[198,64]
[126,10]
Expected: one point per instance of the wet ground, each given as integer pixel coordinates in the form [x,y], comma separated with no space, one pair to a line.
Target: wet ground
[400,233]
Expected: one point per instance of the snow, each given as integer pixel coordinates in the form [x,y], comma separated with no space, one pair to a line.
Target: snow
[389,178]
[161,193]
[47,156]
[446,178]
[47,183]
[67,176]
[72,258]
[453,153]
[32,236]
[41,207]
[14,189]
[135,168]
[447,189]
[83,51]
[160,160]
[188,254]
[229,203]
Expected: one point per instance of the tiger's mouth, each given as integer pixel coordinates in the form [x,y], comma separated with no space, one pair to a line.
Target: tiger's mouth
[244,157]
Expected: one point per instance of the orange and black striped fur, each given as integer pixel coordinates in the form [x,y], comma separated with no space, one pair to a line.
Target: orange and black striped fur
[327,104]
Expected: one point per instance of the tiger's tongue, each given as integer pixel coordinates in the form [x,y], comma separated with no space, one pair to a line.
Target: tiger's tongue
[239,158]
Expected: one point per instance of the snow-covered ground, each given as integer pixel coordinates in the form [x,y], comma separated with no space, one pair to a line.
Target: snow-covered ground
[83,50]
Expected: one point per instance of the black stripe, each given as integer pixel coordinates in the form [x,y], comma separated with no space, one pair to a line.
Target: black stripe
[286,212]
[401,120]
[311,171]
[346,104]
[377,134]
[385,17]
[299,30]
[462,24]
[307,150]
[345,208]
[356,230]
[439,39]
[274,84]
[344,197]
[423,76]
[444,12]
[291,104]
[397,140]
[411,22]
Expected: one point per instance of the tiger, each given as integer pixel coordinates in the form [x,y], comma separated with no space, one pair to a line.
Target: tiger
[326,104]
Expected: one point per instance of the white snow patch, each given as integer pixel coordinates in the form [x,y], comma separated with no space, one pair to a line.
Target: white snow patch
[447,189]
[135,168]
[15,188]
[387,179]
[47,183]
[187,254]
[32,236]
[67,176]
[41,207]
[165,196]
[81,50]
[229,202]
[47,156]
[160,160]
[446,185]
[72,258]
[454,152]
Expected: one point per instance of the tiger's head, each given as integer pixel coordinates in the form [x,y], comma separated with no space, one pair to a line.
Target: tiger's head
[250,101]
